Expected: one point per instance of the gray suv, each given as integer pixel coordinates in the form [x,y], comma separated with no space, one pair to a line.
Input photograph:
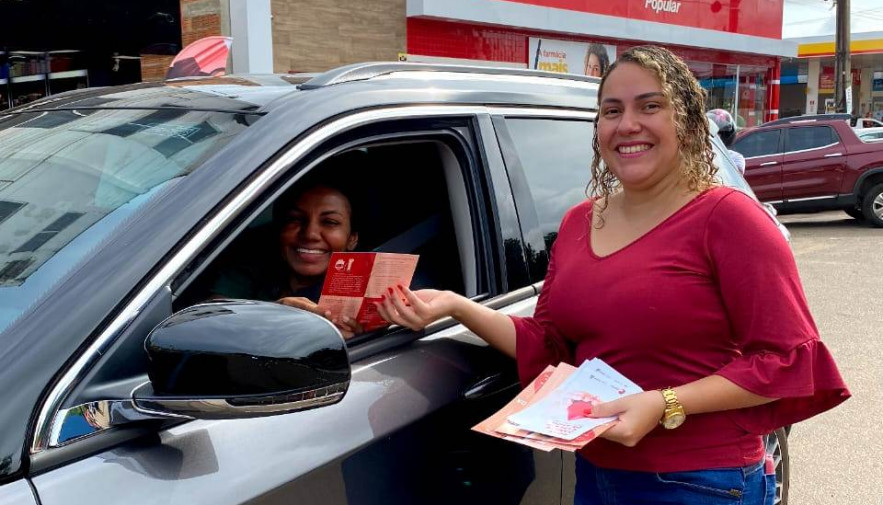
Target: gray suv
[118,206]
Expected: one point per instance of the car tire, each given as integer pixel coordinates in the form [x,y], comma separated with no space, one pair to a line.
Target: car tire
[776,444]
[872,205]
[855,214]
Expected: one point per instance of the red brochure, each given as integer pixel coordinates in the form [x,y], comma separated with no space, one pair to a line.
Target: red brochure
[355,280]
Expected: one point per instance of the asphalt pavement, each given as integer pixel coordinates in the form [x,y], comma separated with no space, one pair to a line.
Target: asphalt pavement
[837,457]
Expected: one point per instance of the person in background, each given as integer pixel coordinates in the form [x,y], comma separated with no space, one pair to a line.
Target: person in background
[650,275]
[726,130]
[597,60]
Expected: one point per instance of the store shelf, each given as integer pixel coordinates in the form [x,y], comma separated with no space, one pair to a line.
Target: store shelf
[3,81]
[29,78]
[68,74]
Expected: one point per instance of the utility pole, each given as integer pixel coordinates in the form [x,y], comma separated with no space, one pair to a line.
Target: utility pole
[842,67]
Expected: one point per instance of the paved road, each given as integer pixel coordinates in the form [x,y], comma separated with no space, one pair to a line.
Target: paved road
[837,458]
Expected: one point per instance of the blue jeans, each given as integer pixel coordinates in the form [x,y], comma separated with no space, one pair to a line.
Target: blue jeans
[732,486]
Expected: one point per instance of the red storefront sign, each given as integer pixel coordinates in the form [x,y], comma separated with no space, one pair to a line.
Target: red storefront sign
[762,18]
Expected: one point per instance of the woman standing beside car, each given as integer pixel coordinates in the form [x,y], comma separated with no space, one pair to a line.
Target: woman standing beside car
[650,275]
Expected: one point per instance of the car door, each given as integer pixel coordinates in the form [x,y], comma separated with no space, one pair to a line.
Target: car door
[17,493]
[762,150]
[548,161]
[814,163]
[401,433]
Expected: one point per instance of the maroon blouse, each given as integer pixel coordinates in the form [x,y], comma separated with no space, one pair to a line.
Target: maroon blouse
[713,289]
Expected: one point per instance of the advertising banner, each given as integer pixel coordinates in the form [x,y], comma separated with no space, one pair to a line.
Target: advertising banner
[568,57]
[761,18]
[826,80]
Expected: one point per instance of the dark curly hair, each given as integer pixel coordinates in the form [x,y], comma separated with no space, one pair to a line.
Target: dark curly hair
[687,99]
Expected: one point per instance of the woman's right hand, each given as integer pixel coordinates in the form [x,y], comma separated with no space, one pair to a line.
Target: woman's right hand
[420,308]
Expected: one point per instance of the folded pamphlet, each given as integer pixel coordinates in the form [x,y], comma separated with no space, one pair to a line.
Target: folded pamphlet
[356,280]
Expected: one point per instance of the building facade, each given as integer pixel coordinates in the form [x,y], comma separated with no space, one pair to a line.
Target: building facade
[733,46]
[808,81]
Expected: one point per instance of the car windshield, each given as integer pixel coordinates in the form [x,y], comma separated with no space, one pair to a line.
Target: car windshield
[69,178]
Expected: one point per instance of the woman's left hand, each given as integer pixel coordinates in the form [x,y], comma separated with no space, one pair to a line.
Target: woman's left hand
[638,415]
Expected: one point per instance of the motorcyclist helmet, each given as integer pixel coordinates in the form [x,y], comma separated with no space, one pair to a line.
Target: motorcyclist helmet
[726,127]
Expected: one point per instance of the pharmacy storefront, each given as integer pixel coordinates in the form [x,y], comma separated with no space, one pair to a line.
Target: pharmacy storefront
[733,46]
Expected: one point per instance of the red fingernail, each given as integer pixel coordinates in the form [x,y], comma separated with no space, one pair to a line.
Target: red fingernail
[390,290]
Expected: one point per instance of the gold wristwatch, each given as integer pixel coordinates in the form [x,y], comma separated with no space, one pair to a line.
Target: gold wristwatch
[673,415]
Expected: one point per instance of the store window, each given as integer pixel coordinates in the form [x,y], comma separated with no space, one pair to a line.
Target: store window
[719,82]
[752,95]
[739,89]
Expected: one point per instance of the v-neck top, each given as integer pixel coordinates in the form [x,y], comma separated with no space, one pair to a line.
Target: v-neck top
[712,289]
[589,227]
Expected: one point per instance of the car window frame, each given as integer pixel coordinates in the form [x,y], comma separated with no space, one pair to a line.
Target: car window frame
[44,455]
[525,203]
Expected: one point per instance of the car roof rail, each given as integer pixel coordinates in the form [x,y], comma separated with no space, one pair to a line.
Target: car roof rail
[370,70]
[809,118]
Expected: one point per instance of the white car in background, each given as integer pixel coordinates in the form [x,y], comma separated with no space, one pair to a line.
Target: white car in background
[864,123]
[870,134]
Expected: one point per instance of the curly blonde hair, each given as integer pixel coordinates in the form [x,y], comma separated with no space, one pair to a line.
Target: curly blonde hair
[687,98]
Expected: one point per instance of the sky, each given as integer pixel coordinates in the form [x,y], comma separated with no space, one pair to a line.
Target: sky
[812,18]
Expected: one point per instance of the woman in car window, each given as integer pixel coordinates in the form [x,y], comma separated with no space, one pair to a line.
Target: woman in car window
[651,276]
[310,222]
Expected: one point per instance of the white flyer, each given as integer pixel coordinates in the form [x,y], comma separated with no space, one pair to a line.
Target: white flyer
[564,412]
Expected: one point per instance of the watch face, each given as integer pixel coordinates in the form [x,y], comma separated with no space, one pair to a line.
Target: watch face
[673,421]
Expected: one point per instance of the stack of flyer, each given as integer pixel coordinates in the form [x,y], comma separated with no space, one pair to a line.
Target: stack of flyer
[553,411]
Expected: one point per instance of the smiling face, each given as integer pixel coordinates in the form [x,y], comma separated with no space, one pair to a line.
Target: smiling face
[637,136]
[318,223]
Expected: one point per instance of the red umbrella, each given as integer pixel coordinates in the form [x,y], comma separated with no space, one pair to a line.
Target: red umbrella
[206,56]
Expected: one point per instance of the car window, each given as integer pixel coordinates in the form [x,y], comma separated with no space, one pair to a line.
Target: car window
[556,156]
[761,143]
[810,137]
[270,259]
[68,179]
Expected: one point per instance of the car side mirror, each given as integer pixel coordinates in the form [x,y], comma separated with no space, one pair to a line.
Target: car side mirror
[228,359]
[238,358]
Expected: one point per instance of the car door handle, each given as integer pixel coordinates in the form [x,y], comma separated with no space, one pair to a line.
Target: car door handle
[769,163]
[487,386]
[833,155]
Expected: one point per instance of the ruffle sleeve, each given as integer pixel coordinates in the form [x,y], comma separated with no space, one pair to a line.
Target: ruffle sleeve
[781,354]
[805,380]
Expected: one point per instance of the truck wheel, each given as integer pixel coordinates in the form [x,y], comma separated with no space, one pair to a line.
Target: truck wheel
[777,446]
[872,205]
[855,213]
